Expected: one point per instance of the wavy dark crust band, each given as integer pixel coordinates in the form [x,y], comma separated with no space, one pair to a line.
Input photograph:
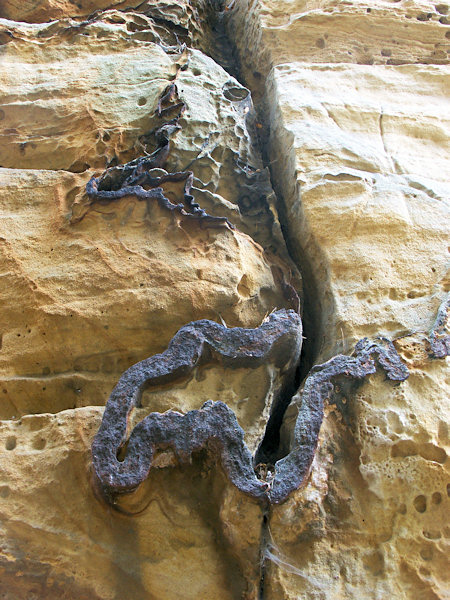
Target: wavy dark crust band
[292,471]
[278,341]
[135,178]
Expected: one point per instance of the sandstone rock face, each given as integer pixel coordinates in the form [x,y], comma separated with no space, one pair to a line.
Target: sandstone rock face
[355,101]
[105,268]
[352,120]
[92,286]
[182,13]
[371,174]
[122,280]
[58,541]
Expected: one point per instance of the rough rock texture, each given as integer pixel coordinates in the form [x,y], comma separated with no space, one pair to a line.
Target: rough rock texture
[277,342]
[352,112]
[59,541]
[93,285]
[183,15]
[355,101]
[125,275]
[83,302]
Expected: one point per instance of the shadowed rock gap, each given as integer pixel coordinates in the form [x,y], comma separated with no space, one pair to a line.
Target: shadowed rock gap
[224,52]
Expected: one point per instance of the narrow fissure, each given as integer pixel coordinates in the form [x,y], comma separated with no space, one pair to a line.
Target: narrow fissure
[265,541]
[223,51]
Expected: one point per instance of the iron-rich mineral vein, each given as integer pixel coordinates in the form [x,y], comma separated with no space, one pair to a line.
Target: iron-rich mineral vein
[277,340]
[135,178]
[215,426]
[291,471]
[439,338]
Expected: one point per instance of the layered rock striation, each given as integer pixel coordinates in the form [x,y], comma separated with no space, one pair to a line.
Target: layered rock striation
[141,191]
[353,98]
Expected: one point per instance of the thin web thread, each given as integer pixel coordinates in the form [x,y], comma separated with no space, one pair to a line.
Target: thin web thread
[273,554]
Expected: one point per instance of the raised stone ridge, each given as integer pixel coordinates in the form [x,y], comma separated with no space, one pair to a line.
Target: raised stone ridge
[215,426]
[277,340]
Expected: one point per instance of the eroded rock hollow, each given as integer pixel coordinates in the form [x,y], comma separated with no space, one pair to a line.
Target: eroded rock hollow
[224,300]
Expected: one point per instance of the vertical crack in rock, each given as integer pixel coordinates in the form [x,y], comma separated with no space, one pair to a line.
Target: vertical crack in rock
[224,51]
[264,544]
[318,386]
[223,48]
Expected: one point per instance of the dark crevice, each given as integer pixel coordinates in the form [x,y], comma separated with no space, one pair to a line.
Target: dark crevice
[311,305]
[221,47]
[265,543]
[269,452]
[223,50]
